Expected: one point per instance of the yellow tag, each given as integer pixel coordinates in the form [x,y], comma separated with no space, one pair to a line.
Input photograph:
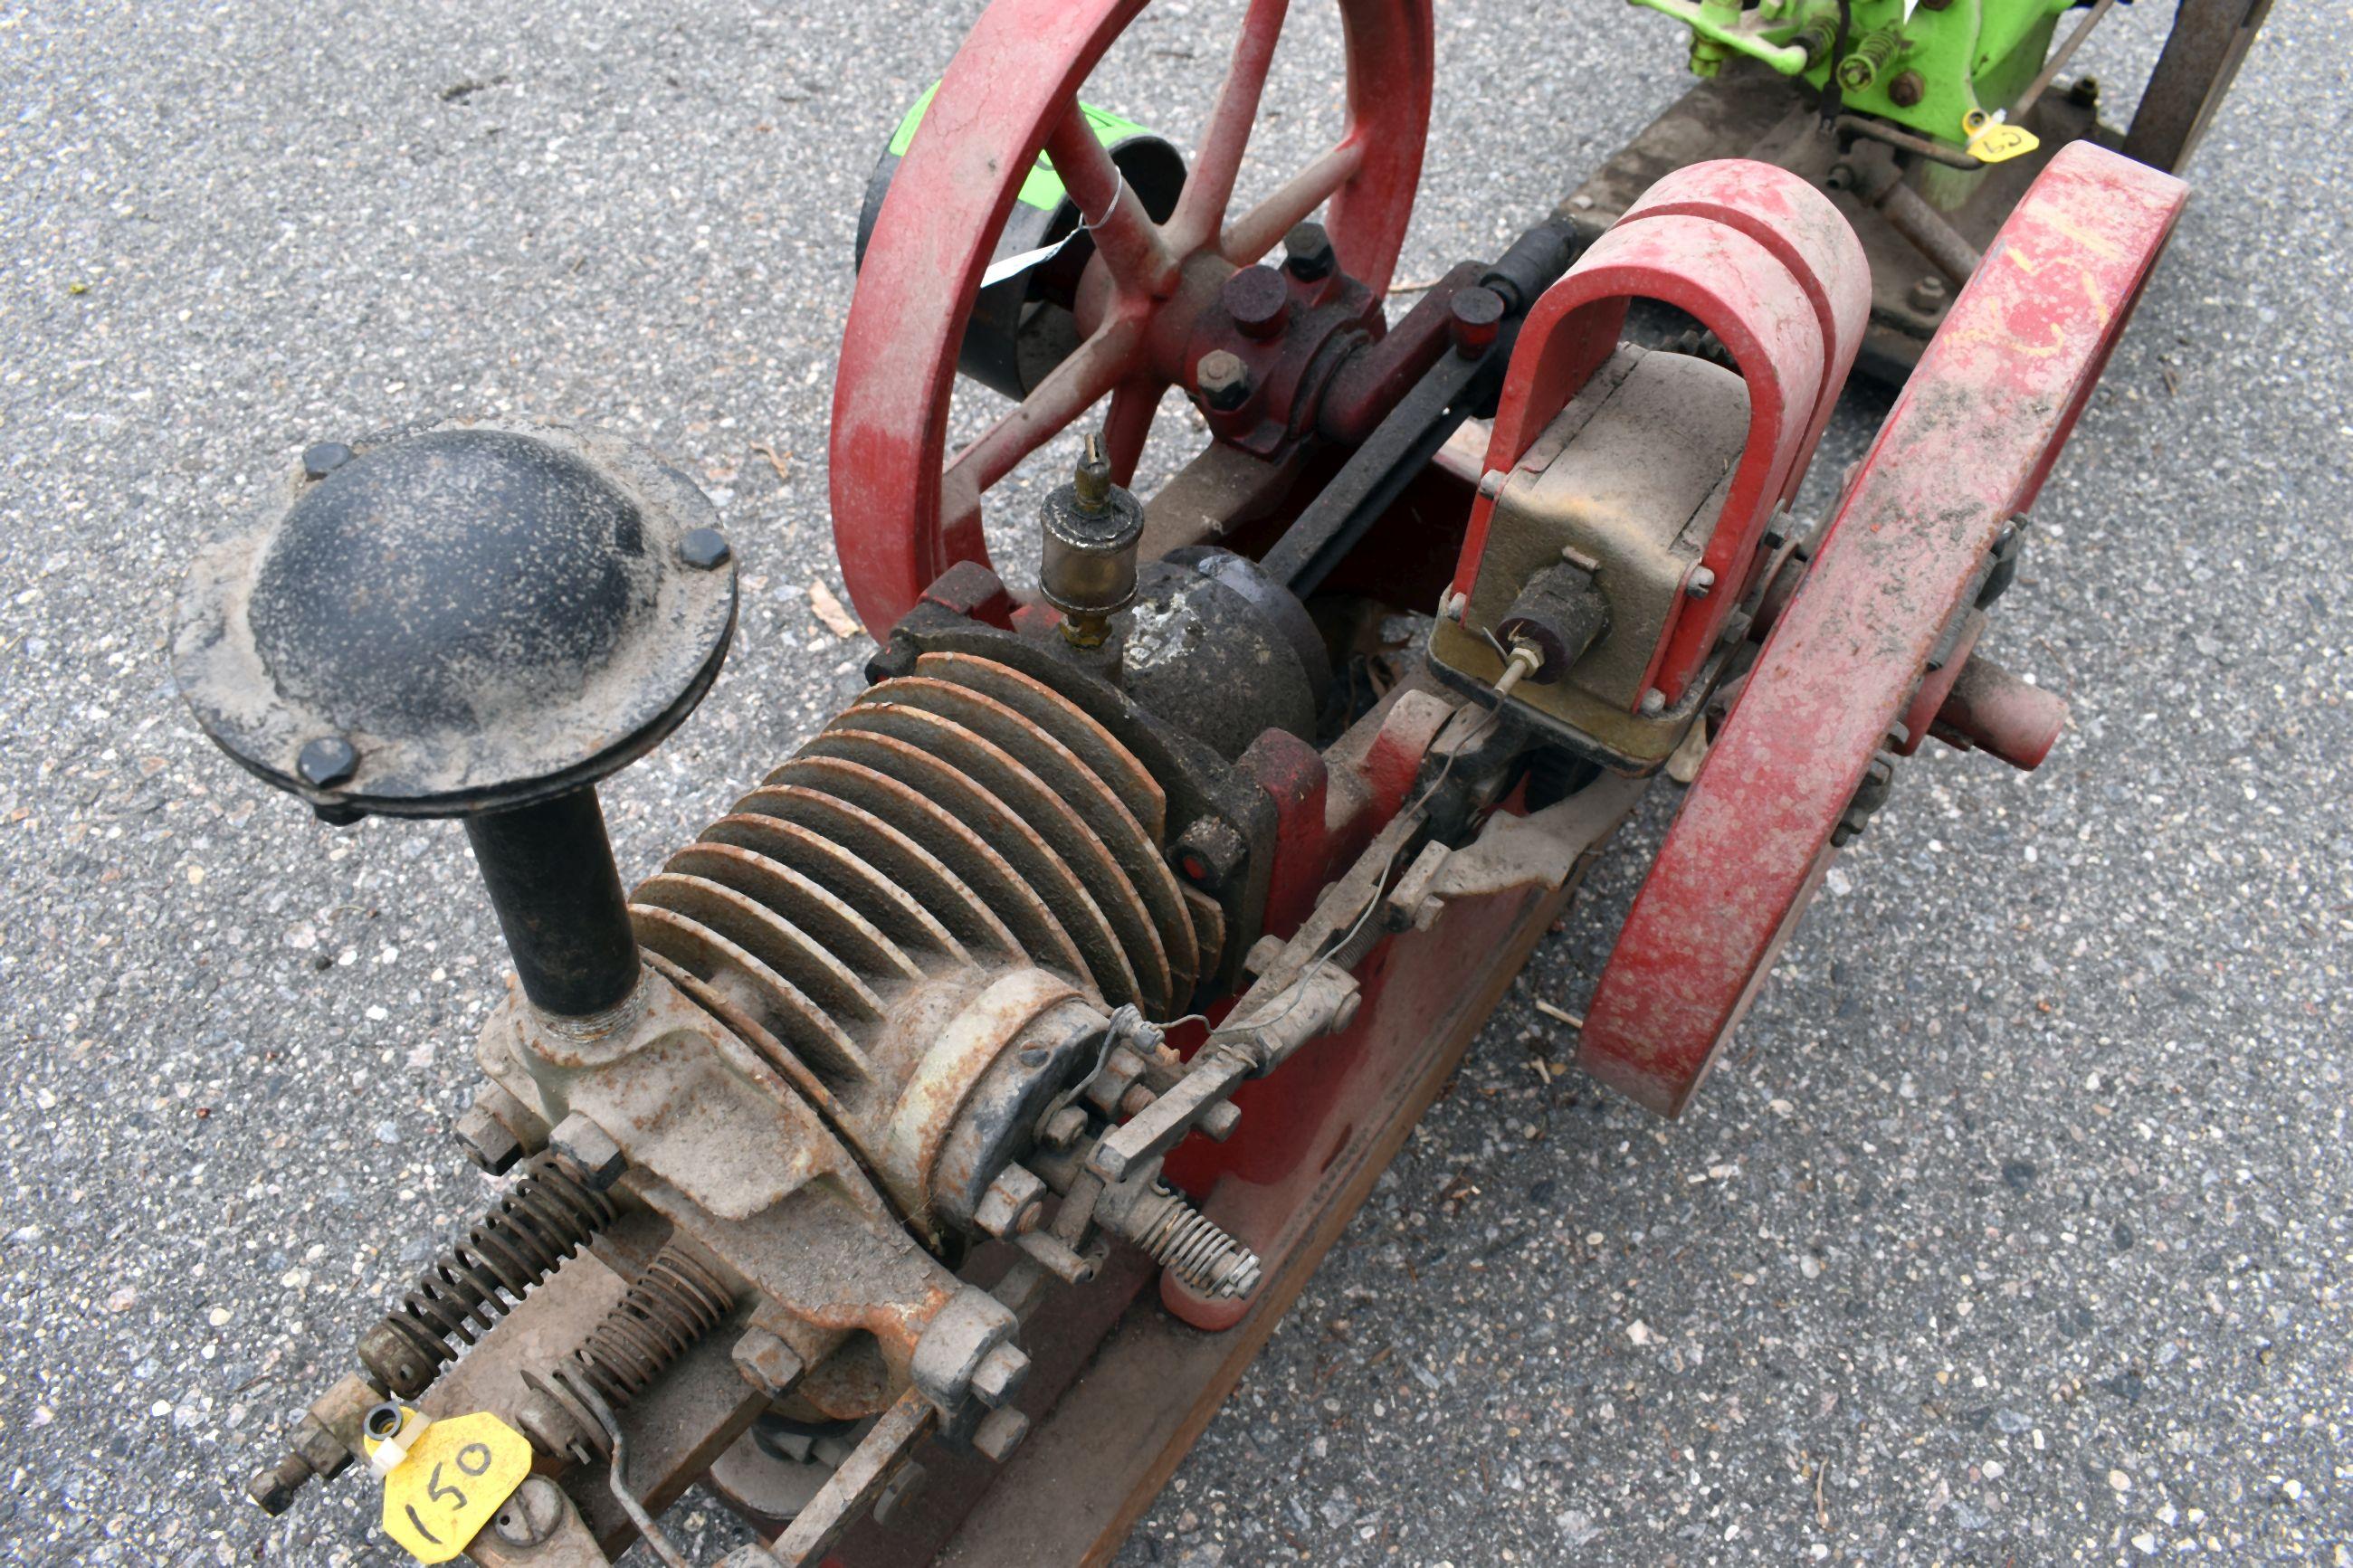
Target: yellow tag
[1996,142]
[453,1480]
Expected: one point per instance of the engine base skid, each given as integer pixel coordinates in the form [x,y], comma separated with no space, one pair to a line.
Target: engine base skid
[918,1158]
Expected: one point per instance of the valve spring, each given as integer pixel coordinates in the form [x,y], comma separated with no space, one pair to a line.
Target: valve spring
[674,1303]
[670,1306]
[1871,55]
[1185,1240]
[545,1218]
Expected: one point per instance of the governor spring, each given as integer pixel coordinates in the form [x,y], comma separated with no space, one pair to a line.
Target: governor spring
[668,1307]
[1184,1240]
[543,1219]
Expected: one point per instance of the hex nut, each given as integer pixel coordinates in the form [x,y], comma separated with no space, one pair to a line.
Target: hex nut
[998,1377]
[1016,1195]
[1222,380]
[1000,1433]
[487,1141]
[1929,295]
[1307,253]
[767,1362]
[589,1152]
[1210,852]
[1064,1128]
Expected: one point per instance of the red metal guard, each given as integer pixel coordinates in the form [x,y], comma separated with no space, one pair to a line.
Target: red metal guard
[902,512]
[1763,260]
[1964,450]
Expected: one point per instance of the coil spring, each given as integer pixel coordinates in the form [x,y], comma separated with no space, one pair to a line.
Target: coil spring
[674,1303]
[1871,55]
[545,1218]
[668,1307]
[1186,1241]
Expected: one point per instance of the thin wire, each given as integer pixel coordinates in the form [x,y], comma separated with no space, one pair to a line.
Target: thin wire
[1300,982]
[646,1529]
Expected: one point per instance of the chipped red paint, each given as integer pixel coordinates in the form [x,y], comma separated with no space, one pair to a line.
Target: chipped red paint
[1761,260]
[1965,448]
[899,518]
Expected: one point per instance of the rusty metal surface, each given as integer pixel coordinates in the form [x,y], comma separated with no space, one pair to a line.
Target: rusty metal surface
[1964,450]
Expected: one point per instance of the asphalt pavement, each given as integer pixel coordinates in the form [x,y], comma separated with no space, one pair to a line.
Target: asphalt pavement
[2016,1232]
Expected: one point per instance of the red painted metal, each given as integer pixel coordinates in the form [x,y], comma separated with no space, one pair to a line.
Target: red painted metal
[1764,261]
[1964,450]
[902,512]
[1995,711]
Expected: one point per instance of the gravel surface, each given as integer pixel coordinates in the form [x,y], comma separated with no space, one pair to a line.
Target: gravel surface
[2015,1233]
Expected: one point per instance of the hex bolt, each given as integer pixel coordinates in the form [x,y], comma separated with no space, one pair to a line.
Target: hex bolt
[1222,380]
[1307,253]
[589,1152]
[1258,299]
[487,1141]
[327,762]
[767,1362]
[1700,583]
[705,548]
[1929,295]
[1655,702]
[998,1377]
[1906,89]
[1000,1433]
[324,457]
[1476,314]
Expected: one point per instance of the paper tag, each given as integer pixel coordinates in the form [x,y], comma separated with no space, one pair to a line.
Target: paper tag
[454,1479]
[1994,140]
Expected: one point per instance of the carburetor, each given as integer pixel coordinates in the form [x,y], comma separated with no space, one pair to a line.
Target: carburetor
[875,1018]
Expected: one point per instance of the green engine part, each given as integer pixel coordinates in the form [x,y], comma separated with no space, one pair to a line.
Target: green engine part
[1933,71]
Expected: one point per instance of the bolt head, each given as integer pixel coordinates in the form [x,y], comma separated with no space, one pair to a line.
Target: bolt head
[767,1362]
[1906,89]
[531,1517]
[487,1141]
[1000,1375]
[323,458]
[589,1152]
[1258,299]
[1655,702]
[327,762]
[1477,317]
[1700,583]
[998,1434]
[897,1495]
[1307,253]
[1222,380]
[705,548]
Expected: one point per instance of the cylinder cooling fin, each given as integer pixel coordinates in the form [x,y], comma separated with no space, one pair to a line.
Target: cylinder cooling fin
[964,815]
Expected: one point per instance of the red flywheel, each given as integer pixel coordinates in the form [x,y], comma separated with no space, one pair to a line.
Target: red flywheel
[904,508]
